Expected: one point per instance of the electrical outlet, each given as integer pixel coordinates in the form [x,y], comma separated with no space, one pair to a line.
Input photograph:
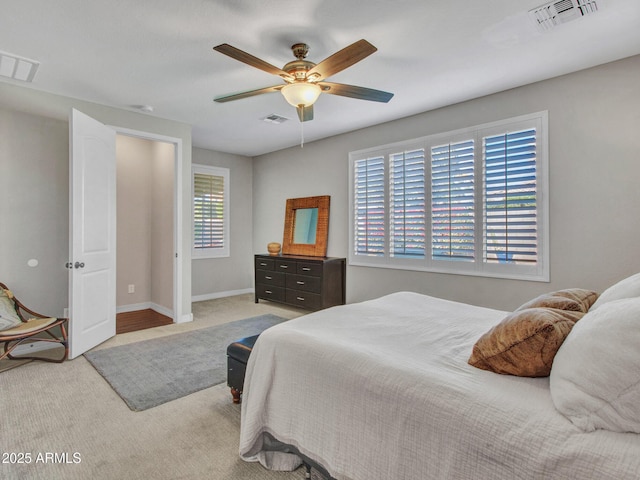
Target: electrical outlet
[132,288]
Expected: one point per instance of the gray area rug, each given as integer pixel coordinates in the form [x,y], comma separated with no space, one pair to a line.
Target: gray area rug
[149,373]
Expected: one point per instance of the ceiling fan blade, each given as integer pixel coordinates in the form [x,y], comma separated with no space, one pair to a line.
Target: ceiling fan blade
[305,113]
[340,60]
[251,93]
[249,59]
[352,91]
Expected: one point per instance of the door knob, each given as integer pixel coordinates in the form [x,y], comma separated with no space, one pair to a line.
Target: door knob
[79,264]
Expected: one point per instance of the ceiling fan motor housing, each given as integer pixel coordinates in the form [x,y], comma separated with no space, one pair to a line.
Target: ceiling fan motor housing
[298,69]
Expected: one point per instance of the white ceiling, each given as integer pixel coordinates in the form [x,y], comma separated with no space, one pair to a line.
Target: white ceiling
[431,53]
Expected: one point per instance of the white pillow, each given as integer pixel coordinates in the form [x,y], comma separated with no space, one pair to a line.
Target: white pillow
[8,316]
[595,377]
[627,288]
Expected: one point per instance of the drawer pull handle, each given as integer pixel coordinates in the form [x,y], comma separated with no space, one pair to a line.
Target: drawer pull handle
[284,266]
[305,269]
[268,292]
[267,277]
[300,283]
[300,299]
[263,264]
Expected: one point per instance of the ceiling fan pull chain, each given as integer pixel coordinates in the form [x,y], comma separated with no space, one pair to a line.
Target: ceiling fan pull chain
[301,134]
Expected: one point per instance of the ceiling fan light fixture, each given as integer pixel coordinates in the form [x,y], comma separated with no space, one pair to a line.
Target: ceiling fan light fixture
[301,93]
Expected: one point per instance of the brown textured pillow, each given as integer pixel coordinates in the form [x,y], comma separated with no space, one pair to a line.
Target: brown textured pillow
[525,342]
[576,299]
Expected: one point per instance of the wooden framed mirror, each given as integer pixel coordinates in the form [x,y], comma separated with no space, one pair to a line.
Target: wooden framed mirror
[306,226]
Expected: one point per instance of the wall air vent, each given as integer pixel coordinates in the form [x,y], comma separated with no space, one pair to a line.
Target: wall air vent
[17,68]
[273,118]
[552,14]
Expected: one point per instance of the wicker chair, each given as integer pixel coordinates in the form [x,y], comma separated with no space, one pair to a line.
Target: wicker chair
[19,324]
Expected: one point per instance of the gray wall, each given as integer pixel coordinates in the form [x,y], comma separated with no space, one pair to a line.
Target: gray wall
[594,164]
[34,208]
[34,201]
[162,226]
[213,277]
[145,226]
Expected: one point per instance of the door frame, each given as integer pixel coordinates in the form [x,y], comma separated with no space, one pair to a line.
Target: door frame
[177,211]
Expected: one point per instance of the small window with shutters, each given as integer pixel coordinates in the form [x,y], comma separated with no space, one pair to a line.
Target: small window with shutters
[210,211]
[471,202]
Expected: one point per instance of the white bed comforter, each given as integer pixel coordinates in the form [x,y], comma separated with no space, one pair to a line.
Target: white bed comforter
[382,390]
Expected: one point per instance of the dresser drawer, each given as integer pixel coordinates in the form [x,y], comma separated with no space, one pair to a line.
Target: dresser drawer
[313,269]
[286,266]
[269,277]
[270,293]
[311,301]
[265,264]
[304,283]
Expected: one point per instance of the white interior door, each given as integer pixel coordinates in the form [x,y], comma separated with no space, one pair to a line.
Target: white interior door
[92,223]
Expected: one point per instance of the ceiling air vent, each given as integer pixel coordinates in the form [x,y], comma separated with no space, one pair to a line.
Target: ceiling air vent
[273,118]
[551,14]
[17,68]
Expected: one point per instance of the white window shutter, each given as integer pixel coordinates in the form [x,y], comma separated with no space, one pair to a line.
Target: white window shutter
[210,211]
[453,201]
[510,198]
[369,177]
[407,204]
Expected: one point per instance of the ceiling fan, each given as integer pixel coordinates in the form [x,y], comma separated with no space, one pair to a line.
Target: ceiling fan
[305,79]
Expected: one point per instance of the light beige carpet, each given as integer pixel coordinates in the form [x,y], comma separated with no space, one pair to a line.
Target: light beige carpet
[67,412]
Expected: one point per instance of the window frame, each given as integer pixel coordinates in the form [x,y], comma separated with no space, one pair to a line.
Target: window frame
[211,252]
[478,267]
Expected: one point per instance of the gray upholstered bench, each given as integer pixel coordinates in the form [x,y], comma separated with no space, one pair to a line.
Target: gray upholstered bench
[237,357]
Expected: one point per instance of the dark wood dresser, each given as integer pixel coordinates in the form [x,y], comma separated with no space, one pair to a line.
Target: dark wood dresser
[313,283]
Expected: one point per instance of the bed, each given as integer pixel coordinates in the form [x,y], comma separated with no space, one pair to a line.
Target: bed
[383,390]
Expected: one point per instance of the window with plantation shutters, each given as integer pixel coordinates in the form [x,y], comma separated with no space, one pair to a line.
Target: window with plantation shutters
[470,202]
[210,211]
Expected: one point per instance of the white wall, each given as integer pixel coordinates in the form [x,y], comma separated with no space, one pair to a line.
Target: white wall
[594,125]
[213,277]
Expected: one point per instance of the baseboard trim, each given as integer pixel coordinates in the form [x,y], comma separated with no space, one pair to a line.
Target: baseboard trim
[167,312]
[213,296]
[133,307]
